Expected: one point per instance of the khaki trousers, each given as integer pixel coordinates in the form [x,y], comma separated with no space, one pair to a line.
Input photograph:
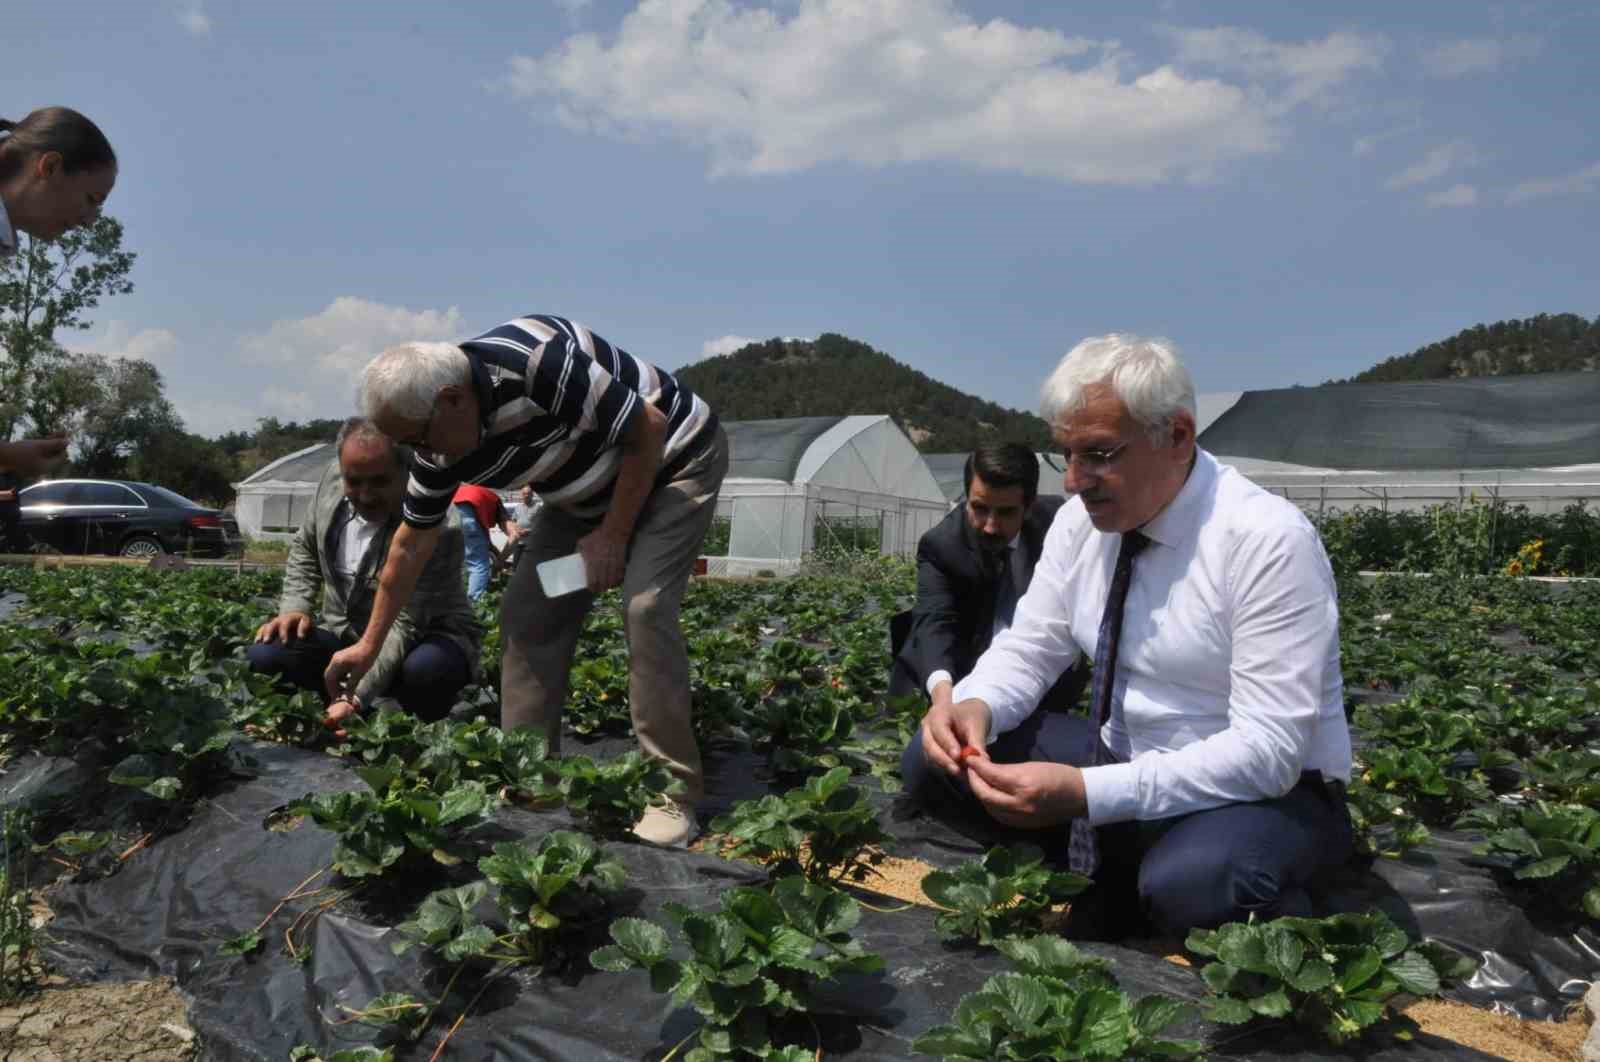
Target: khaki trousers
[541,633]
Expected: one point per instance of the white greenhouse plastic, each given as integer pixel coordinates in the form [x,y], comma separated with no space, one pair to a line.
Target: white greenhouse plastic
[794,485]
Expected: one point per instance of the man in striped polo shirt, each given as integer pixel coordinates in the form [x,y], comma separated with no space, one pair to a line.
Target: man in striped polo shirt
[627,461]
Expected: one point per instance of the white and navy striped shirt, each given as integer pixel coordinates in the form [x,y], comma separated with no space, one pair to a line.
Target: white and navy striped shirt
[556,401]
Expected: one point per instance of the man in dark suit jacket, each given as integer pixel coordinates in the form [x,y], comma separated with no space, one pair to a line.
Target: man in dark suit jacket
[972,568]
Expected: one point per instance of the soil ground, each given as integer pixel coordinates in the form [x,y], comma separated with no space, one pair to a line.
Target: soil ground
[131,1021]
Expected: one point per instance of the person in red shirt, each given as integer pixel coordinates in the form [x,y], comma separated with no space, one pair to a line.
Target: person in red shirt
[481,511]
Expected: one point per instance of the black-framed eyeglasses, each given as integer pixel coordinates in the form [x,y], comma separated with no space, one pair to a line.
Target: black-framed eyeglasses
[1090,462]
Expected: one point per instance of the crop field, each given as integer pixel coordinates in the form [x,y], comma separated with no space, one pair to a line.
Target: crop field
[449,890]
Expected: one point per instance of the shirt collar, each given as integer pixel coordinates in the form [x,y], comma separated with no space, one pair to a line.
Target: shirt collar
[8,235]
[1183,514]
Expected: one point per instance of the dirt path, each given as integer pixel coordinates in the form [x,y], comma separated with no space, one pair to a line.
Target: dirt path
[131,1021]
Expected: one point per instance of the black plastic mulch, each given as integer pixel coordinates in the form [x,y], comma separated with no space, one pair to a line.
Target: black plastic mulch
[171,905]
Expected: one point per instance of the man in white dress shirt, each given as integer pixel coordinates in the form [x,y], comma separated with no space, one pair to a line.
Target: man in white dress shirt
[1211,769]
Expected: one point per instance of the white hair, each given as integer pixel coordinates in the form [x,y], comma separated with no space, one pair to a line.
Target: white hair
[1144,374]
[405,380]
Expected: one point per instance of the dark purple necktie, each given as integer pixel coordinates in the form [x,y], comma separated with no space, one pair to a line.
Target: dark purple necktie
[1083,854]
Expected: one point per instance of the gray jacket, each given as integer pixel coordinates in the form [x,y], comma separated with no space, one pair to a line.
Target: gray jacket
[438,605]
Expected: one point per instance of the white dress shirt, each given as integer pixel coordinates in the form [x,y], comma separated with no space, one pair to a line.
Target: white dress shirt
[1000,623]
[354,540]
[1227,683]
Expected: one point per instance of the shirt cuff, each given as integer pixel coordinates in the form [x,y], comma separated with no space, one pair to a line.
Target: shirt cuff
[1111,792]
[937,677]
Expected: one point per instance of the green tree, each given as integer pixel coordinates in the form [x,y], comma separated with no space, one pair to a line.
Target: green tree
[128,411]
[193,466]
[47,288]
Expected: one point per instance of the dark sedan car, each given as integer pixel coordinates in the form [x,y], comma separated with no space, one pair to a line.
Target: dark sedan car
[118,517]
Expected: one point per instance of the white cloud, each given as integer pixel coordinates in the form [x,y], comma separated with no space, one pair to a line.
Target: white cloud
[879,82]
[1435,164]
[288,404]
[193,18]
[118,340]
[1366,145]
[1457,195]
[712,348]
[1479,55]
[1311,69]
[1577,183]
[342,338]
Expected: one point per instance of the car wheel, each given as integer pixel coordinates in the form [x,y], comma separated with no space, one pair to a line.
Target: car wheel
[142,548]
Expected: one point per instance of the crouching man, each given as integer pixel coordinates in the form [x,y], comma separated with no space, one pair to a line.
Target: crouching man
[432,649]
[1207,783]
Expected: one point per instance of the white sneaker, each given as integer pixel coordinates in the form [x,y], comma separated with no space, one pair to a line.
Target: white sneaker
[671,825]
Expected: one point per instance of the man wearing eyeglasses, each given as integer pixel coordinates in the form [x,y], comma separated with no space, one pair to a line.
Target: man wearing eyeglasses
[627,462]
[1206,785]
[972,569]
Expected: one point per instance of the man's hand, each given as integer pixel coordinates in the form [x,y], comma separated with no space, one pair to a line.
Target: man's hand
[605,558]
[347,668]
[284,628]
[1028,795]
[948,728]
[32,457]
[338,712]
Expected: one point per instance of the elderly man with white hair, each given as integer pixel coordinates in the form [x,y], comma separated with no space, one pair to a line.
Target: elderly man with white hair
[1207,783]
[627,462]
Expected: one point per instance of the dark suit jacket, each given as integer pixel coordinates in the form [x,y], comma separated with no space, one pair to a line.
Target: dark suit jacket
[952,621]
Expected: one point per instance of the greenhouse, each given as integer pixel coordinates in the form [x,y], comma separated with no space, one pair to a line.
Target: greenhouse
[950,471]
[794,485]
[805,483]
[274,499]
[1523,440]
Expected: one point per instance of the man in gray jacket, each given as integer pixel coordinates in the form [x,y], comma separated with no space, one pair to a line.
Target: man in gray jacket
[431,651]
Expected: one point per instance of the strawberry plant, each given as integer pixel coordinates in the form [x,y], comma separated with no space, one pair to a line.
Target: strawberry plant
[390,828]
[1335,975]
[446,753]
[1382,823]
[551,889]
[307,1053]
[1063,1004]
[750,965]
[597,695]
[548,892]
[1557,845]
[446,921]
[1005,891]
[1417,778]
[1568,776]
[610,796]
[821,830]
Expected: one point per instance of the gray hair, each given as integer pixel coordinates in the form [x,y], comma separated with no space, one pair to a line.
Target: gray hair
[1144,374]
[362,428]
[405,380]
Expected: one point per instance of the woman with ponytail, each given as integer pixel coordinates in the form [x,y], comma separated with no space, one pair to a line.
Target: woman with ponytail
[56,169]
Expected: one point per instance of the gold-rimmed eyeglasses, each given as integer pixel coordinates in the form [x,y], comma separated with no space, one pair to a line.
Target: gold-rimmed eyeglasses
[1089,462]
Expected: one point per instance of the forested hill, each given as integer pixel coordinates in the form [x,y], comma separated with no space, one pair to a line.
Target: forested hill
[836,376]
[1561,342]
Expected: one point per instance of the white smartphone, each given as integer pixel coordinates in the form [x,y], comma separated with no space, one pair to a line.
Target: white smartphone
[564,575]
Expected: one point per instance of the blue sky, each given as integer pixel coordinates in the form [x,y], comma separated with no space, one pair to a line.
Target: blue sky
[969,186]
